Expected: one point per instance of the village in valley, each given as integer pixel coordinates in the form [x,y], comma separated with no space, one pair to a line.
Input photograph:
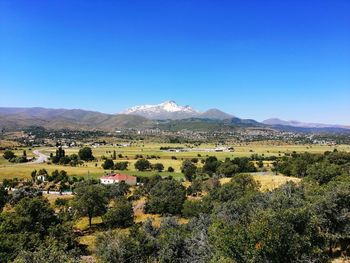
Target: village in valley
[174,131]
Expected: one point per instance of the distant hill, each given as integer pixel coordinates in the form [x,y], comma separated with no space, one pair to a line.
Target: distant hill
[215,114]
[276,121]
[211,120]
[14,118]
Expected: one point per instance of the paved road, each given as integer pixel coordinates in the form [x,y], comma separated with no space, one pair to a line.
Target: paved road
[41,158]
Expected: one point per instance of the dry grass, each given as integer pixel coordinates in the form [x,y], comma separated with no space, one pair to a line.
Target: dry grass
[341,260]
[268,182]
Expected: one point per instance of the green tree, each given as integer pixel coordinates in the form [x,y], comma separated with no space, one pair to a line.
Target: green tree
[228,168]
[90,200]
[166,197]
[211,165]
[159,167]
[8,155]
[332,208]
[121,166]
[53,252]
[108,164]
[116,247]
[33,175]
[86,154]
[3,197]
[35,215]
[117,190]
[323,172]
[189,169]
[121,215]
[142,164]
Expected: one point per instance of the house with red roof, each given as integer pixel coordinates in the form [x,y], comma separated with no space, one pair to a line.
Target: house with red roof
[114,178]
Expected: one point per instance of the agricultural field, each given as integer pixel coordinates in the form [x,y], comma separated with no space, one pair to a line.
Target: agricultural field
[167,158]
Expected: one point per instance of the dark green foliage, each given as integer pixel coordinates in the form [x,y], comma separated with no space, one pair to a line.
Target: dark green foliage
[58,176]
[333,208]
[61,202]
[62,158]
[211,164]
[21,193]
[85,154]
[8,155]
[11,157]
[121,166]
[150,182]
[166,197]
[29,228]
[121,215]
[236,222]
[192,208]
[228,169]
[52,252]
[189,169]
[195,188]
[90,200]
[117,190]
[142,165]
[108,164]
[170,169]
[35,214]
[323,172]
[117,247]
[244,165]
[3,197]
[159,167]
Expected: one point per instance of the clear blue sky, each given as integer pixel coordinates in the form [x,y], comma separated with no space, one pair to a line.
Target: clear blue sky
[254,59]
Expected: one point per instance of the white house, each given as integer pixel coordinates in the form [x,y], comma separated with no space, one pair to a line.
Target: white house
[117,178]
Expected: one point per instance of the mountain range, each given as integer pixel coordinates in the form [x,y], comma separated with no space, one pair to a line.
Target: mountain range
[167,115]
[170,110]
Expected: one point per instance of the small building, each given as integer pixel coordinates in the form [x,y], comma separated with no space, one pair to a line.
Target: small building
[41,178]
[117,178]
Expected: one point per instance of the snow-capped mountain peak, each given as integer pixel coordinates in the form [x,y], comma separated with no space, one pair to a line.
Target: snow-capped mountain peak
[165,110]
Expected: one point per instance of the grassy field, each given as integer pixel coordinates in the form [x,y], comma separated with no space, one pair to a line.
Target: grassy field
[94,169]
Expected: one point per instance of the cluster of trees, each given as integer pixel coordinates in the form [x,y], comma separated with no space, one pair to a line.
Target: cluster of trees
[318,167]
[13,158]
[110,165]
[232,222]
[212,166]
[145,165]
[85,154]
[33,232]
[92,199]
[236,222]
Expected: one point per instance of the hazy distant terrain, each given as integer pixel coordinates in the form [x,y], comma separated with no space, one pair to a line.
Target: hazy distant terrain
[169,114]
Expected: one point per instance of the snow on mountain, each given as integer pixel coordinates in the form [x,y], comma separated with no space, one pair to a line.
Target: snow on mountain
[165,110]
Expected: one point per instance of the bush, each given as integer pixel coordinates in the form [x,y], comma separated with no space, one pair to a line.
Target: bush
[191,208]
